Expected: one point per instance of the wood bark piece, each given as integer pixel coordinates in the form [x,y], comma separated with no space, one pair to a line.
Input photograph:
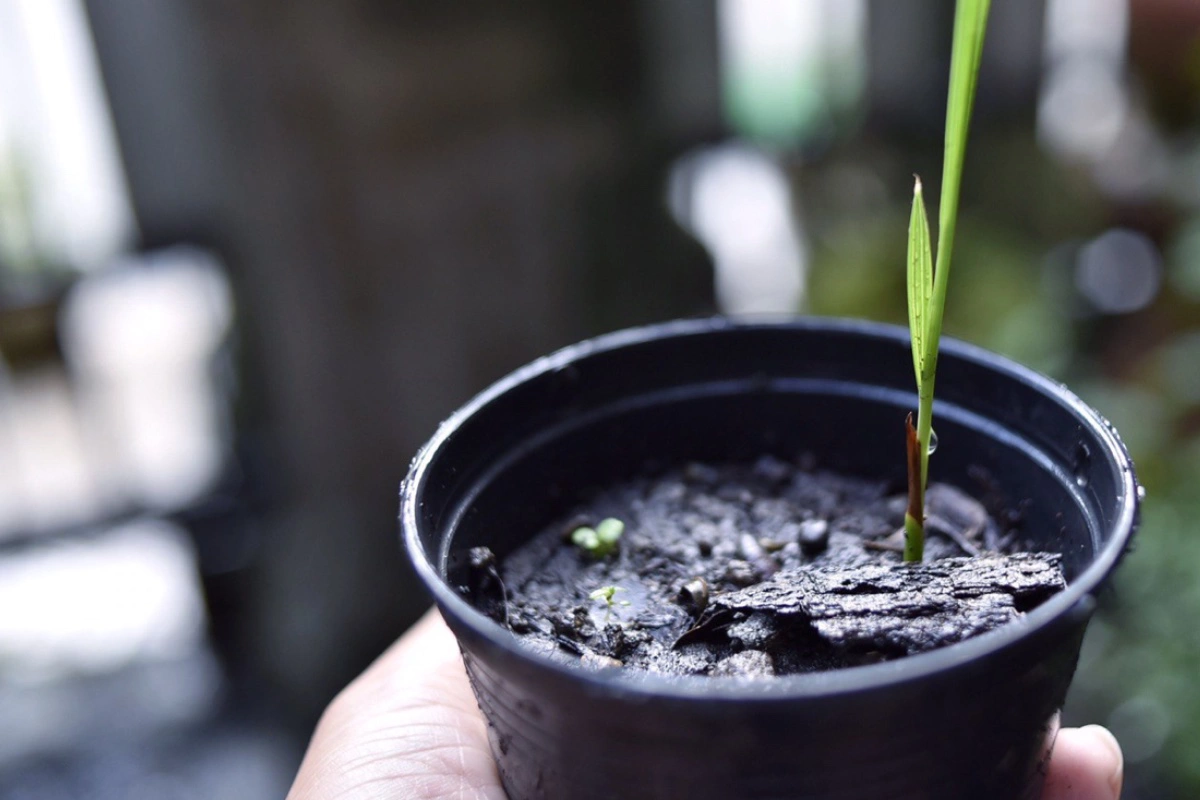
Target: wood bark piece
[895,607]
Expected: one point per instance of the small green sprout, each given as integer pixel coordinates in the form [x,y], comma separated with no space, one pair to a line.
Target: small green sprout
[601,541]
[607,593]
[927,281]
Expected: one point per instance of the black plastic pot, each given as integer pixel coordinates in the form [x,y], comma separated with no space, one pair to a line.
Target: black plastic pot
[971,721]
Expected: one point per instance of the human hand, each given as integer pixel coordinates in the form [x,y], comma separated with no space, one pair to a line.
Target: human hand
[408,727]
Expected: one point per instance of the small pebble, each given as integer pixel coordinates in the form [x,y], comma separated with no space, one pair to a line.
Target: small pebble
[754,631]
[749,548]
[705,535]
[741,573]
[595,661]
[694,659]
[814,536]
[746,664]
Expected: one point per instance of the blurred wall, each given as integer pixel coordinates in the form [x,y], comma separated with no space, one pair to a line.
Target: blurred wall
[414,199]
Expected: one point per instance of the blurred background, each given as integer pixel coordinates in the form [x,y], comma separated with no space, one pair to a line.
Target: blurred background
[252,252]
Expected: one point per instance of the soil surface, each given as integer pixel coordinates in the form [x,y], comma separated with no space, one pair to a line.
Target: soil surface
[760,570]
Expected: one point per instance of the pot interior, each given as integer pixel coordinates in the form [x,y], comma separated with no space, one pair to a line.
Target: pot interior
[534,446]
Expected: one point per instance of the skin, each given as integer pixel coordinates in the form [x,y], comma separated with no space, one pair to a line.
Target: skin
[408,729]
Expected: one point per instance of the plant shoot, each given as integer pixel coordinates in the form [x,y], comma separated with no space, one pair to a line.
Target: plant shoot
[607,594]
[927,278]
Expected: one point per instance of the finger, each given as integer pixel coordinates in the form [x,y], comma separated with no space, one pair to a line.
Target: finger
[1086,765]
[408,727]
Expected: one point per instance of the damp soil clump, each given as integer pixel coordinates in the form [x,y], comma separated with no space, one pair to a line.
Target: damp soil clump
[759,570]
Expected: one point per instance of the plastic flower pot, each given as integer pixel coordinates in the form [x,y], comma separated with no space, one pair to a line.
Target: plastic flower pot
[973,720]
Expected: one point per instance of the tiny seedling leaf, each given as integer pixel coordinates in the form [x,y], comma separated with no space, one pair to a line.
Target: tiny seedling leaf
[605,593]
[600,541]
[585,538]
[920,283]
[610,530]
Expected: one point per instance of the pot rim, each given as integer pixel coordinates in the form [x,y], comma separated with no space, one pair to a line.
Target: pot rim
[1077,600]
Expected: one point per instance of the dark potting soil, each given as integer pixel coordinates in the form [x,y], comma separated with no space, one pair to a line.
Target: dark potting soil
[760,570]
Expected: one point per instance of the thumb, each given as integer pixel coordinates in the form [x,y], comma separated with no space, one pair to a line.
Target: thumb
[1086,765]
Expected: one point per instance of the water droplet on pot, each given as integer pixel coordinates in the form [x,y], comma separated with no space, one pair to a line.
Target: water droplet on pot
[1141,492]
[933,441]
[1083,460]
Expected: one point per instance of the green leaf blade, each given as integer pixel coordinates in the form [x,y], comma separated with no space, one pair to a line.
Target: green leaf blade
[920,284]
[970,25]
[926,310]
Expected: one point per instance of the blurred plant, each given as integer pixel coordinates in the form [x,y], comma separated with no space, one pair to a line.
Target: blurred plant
[601,541]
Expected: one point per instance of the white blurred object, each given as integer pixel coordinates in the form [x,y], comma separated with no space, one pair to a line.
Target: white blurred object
[1097,28]
[737,202]
[45,481]
[94,605]
[1082,109]
[1084,102]
[56,137]
[785,66]
[1142,723]
[1119,271]
[140,341]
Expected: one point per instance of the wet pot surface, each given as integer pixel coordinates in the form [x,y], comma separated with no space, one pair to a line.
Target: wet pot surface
[970,720]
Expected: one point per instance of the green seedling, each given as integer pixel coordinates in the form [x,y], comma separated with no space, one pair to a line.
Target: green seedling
[601,541]
[926,280]
[607,593]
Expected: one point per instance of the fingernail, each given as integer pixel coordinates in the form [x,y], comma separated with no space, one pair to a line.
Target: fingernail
[1103,737]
